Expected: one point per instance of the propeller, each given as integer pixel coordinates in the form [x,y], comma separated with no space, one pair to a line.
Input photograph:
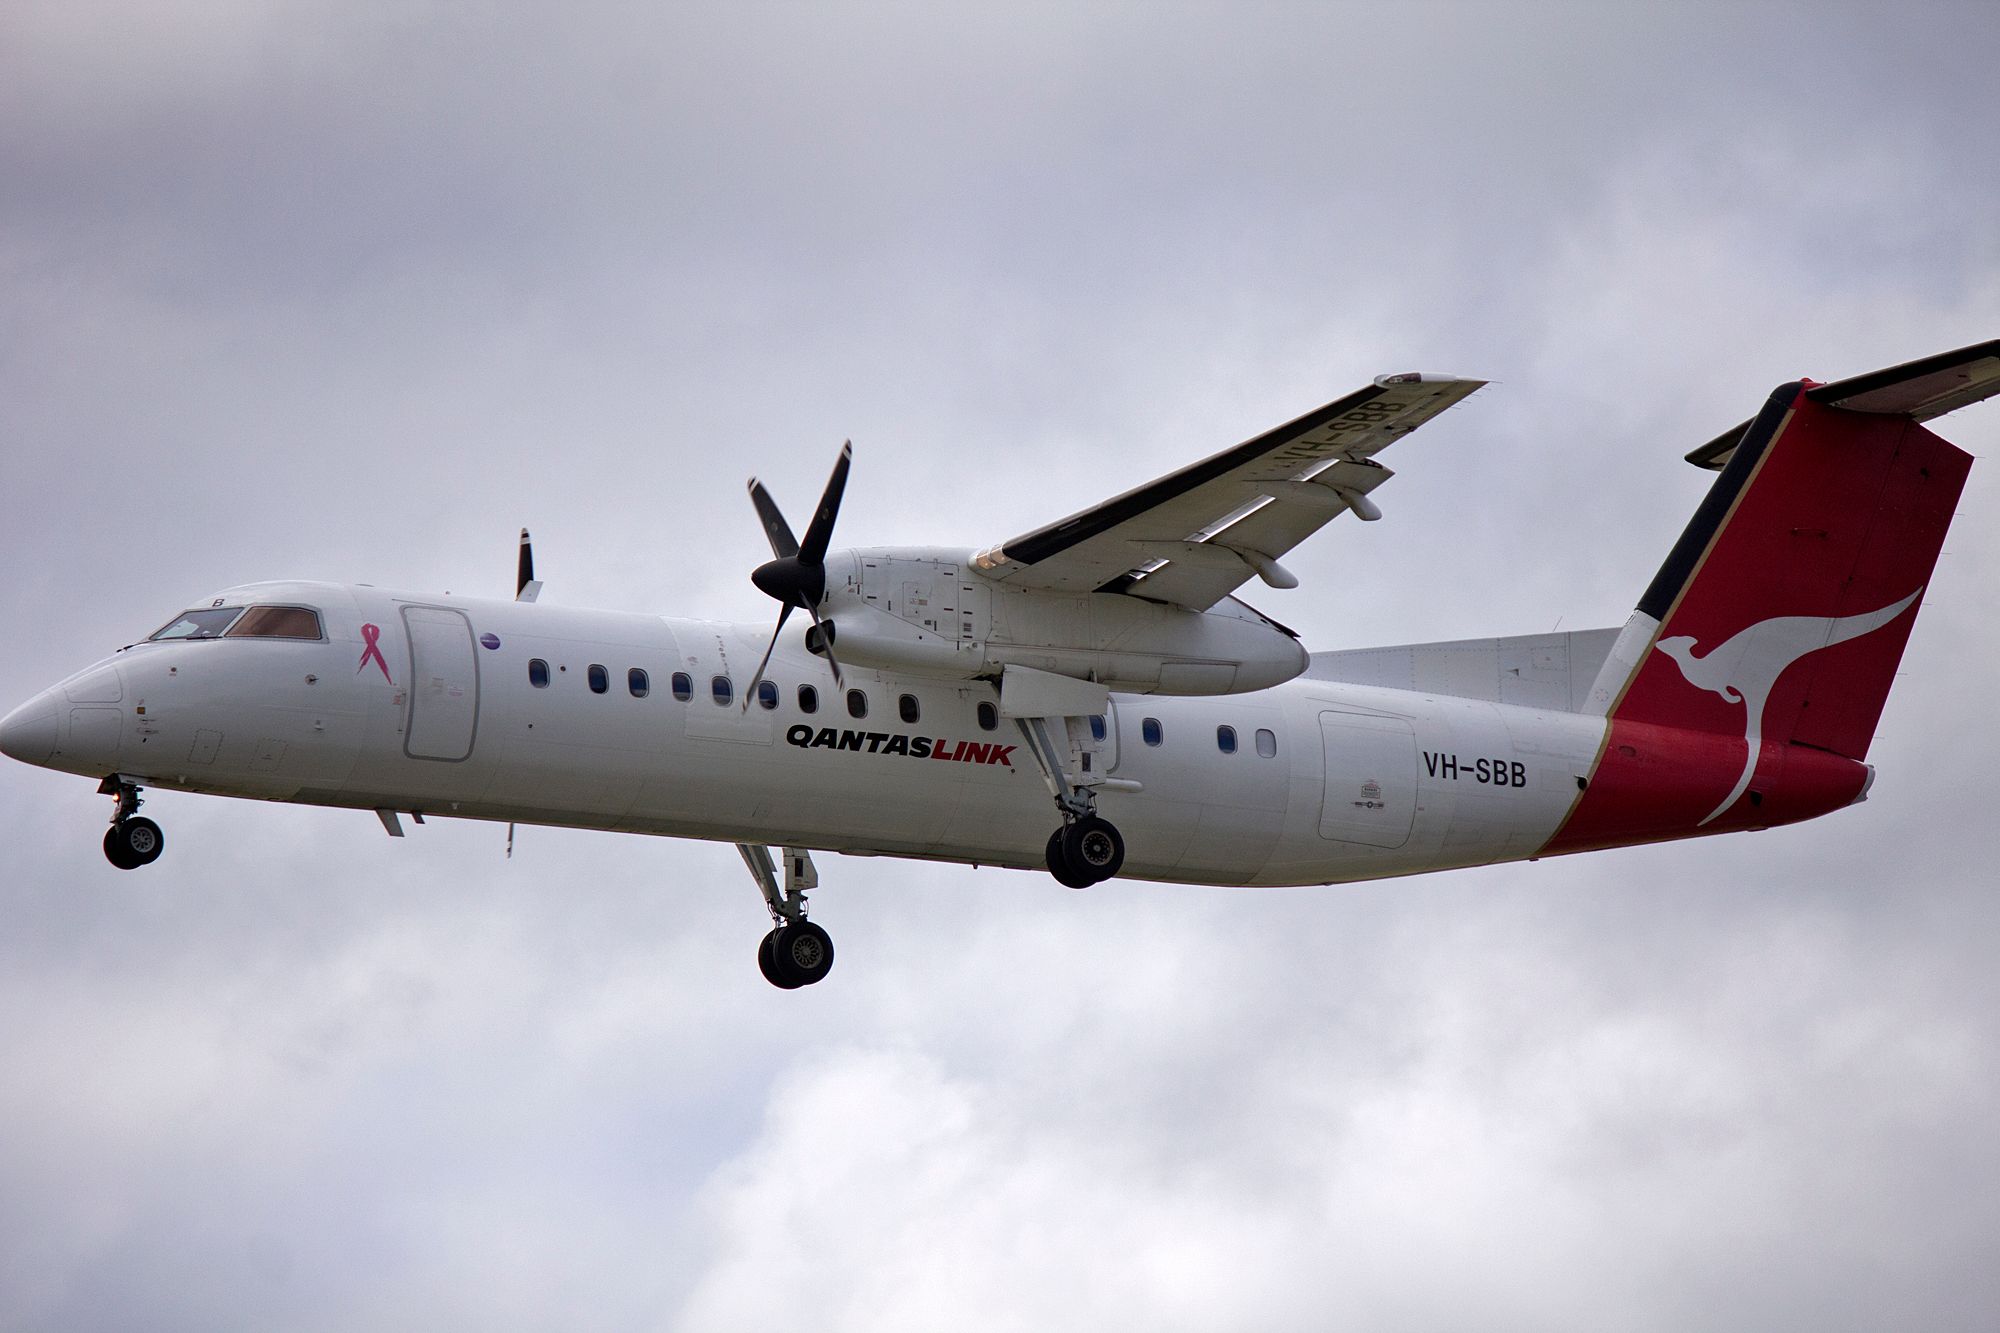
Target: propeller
[526,586]
[526,589]
[796,575]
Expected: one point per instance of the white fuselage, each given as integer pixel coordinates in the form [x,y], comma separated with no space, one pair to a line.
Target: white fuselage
[425,704]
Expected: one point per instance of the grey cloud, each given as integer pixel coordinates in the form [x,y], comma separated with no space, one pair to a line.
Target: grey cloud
[306,292]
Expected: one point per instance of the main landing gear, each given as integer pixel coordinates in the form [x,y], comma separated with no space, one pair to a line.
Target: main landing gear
[1087,849]
[796,953]
[132,840]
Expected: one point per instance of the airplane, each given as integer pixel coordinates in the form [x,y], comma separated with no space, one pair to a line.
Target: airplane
[1090,698]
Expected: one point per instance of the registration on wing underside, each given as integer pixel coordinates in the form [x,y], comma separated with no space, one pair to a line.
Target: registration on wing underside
[1192,537]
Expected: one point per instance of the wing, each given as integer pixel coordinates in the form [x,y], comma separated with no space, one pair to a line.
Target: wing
[1194,536]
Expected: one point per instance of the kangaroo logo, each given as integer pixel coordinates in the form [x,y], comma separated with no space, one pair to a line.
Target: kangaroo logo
[1745,668]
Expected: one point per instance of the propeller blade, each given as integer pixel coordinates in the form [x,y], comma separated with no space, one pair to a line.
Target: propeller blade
[820,531]
[826,645]
[796,576]
[783,544]
[526,587]
[757,677]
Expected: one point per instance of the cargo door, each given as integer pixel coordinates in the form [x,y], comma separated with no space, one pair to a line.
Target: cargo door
[1371,779]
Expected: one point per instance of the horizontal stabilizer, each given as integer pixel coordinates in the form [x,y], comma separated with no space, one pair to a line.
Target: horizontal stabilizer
[1919,390]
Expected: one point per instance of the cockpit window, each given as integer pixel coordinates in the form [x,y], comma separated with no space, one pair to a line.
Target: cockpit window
[277,622]
[207,623]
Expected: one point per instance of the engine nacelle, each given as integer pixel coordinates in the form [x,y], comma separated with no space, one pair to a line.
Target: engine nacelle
[928,611]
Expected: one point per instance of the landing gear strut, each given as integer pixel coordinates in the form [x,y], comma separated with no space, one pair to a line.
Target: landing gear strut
[132,840]
[796,953]
[1087,849]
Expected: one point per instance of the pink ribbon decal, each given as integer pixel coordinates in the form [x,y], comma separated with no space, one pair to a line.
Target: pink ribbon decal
[371,638]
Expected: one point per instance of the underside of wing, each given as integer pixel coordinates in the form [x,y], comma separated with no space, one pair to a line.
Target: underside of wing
[1194,536]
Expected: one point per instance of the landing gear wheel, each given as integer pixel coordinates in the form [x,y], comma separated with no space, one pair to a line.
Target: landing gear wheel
[131,843]
[115,852]
[1058,863]
[1093,847]
[796,955]
[773,969]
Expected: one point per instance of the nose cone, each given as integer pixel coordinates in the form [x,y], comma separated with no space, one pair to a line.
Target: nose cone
[29,732]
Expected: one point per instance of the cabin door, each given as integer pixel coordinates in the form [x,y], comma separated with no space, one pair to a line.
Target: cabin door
[444,684]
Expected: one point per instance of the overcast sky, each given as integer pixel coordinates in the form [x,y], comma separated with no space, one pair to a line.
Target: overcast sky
[355,291]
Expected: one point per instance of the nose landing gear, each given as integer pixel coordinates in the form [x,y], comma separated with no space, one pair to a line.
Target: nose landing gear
[132,840]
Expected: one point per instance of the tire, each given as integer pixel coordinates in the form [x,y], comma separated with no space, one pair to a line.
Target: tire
[772,965]
[116,852]
[1058,863]
[804,951]
[142,838]
[1093,847]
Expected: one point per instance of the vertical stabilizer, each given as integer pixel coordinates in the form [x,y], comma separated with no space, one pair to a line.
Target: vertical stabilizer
[1746,687]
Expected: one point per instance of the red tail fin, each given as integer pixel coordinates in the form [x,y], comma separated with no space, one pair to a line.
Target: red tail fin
[1757,664]
[1798,578]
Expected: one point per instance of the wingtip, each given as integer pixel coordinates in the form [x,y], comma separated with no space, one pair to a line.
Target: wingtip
[1424,377]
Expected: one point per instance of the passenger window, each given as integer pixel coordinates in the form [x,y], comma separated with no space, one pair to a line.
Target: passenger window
[906,708]
[277,622]
[600,679]
[538,673]
[808,699]
[857,704]
[1267,742]
[683,685]
[989,717]
[721,690]
[1149,731]
[1225,739]
[639,683]
[767,693]
[1097,727]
